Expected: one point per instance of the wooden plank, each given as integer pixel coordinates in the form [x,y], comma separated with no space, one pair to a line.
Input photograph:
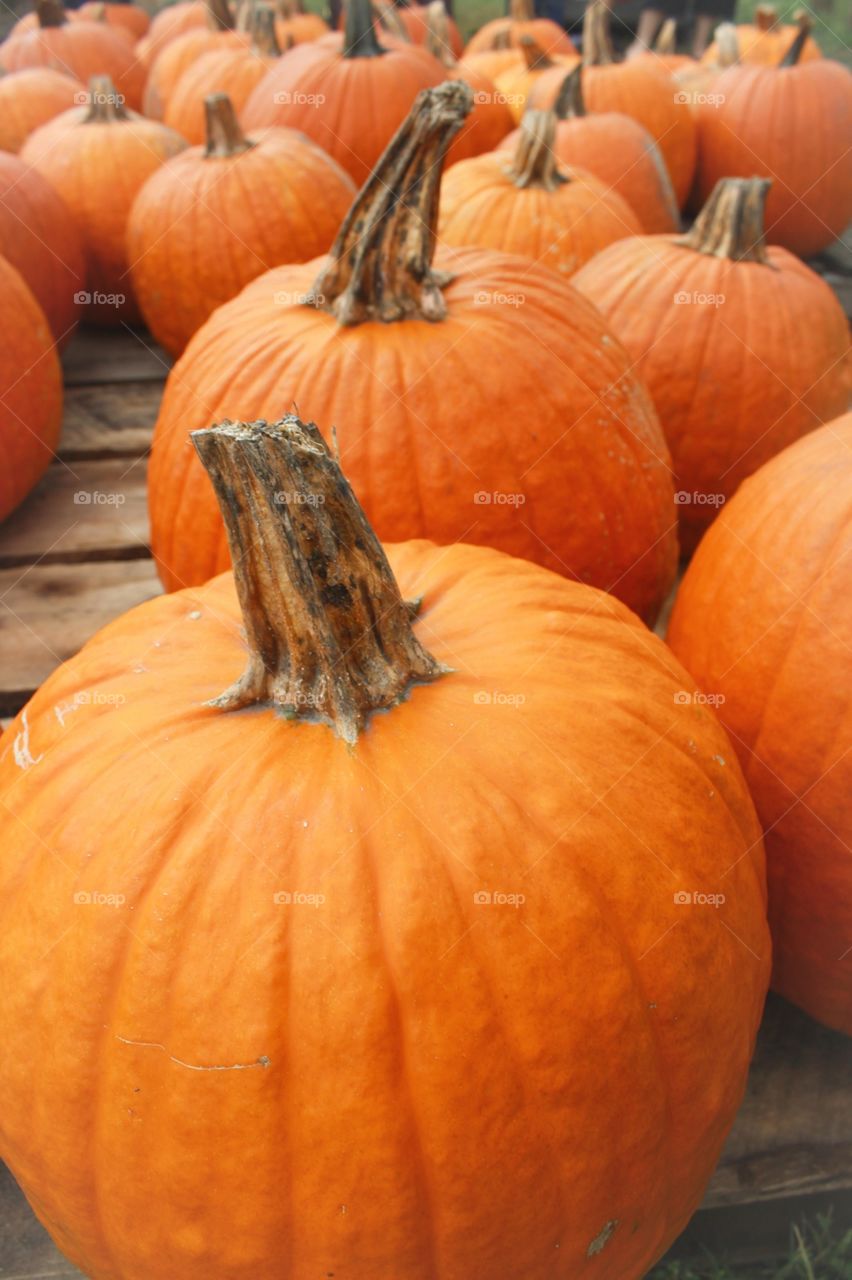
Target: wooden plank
[113,355]
[88,510]
[111,420]
[48,612]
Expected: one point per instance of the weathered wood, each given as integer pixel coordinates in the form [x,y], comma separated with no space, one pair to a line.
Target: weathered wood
[86,510]
[109,420]
[48,611]
[114,355]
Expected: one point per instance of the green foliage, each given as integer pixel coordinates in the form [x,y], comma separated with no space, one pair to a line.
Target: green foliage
[818,1251]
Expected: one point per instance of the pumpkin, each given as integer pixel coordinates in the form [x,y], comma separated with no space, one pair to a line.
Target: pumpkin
[242,201]
[79,49]
[292,26]
[166,25]
[415,21]
[424,949]
[641,88]
[665,49]
[126,17]
[40,241]
[234,71]
[348,93]
[399,354]
[516,83]
[31,98]
[766,40]
[97,158]
[491,63]
[490,118]
[172,63]
[793,124]
[762,621]
[508,32]
[529,205]
[711,341]
[30,390]
[696,81]
[616,150]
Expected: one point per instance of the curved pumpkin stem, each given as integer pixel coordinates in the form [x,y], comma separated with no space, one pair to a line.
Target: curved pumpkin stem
[219,15]
[666,41]
[264,40]
[765,17]
[380,265]
[597,46]
[569,103]
[50,13]
[360,39]
[224,137]
[534,161]
[105,105]
[329,635]
[791,57]
[731,224]
[438,34]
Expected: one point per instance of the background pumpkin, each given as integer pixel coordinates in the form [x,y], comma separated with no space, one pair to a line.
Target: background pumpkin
[530,205]
[765,41]
[763,619]
[127,17]
[40,240]
[214,217]
[31,98]
[516,83]
[711,342]
[401,360]
[508,32]
[97,158]
[292,26]
[523,1048]
[490,119]
[181,53]
[166,25]
[30,390]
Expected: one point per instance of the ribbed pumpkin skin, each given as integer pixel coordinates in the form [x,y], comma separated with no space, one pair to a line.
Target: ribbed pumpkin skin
[644,90]
[126,17]
[351,107]
[30,390]
[624,156]
[176,59]
[201,229]
[167,25]
[763,617]
[29,99]
[730,387]
[98,170]
[233,71]
[516,83]
[561,229]
[402,397]
[82,50]
[794,125]
[548,35]
[40,240]
[429,1088]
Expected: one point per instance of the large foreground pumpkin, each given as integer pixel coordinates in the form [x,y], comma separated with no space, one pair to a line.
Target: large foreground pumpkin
[763,621]
[441,980]
[404,358]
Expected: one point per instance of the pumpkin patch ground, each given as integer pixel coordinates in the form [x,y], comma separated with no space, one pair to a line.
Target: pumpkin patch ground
[425,549]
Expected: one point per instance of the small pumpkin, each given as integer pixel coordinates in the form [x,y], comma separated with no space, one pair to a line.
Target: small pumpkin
[711,340]
[349,92]
[616,150]
[530,205]
[40,240]
[762,621]
[516,83]
[791,123]
[214,217]
[131,18]
[502,33]
[166,25]
[181,53]
[30,390]
[416,23]
[765,41]
[97,158]
[31,98]
[294,26]
[400,354]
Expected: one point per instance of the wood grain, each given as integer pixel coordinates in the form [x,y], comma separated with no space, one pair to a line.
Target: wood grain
[110,420]
[115,355]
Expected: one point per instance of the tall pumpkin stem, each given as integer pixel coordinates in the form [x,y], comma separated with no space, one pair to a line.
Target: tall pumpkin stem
[380,265]
[731,223]
[666,41]
[224,137]
[50,13]
[727,44]
[791,57]
[521,10]
[264,40]
[765,17]
[105,105]
[219,15]
[438,33]
[359,38]
[534,162]
[569,103]
[597,46]
[330,637]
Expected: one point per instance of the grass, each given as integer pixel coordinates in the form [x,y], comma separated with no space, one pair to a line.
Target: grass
[818,1251]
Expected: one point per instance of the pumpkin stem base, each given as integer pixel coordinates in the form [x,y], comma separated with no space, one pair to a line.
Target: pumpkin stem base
[731,223]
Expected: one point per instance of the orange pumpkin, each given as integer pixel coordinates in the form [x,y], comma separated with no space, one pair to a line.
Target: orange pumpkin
[181,53]
[39,239]
[242,202]
[516,83]
[324,940]
[491,63]
[349,93]
[166,25]
[531,206]
[616,150]
[79,49]
[641,88]
[502,33]
[292,26]
[30,390]
[696,80]
[711,341]
[766,40]
[763,622]
[126,17]
[400,355]
[793,124]
[31,98]
[97,158]
[234,71]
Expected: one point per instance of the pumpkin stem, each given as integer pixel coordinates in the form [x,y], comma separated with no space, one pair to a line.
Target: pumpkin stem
[791,57]
[731,223]
[264,41]
[521,10]
[105,105]
[597,46]
[245,15]
[289,8]
[569,103]
[438,33]
[502,39]
[534,162]
[727,45]
[360,39]
[534,56]
[224,137]
[390,21]
[50,13]
[765,17]
[219,15]
[380,265]
[666,41]
[329,635]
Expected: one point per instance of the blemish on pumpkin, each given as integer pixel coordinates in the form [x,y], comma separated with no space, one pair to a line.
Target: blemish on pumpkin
[21,746]
[190,1066]
[720,759]
[196,613]
[602,1238]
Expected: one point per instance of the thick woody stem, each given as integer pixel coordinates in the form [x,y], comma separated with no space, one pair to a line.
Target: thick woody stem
[219,15]
[521,10]
[534,162]
[731,223]
[765,17]
[330,637]
[50,13]
[380,265]
[105,105]
[597,46]
[791,57]
[264,41]
[438,33]
[569,100]
[666,41]
[359,38]
[224,137]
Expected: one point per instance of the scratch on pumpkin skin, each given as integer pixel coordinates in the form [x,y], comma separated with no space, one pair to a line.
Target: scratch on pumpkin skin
[602,1238]
[21,746]
[190,1066]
